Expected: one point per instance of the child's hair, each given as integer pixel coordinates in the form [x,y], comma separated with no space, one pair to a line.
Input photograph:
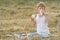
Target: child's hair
[41,4]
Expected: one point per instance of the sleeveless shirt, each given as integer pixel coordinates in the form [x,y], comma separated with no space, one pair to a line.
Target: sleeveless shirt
[42,26]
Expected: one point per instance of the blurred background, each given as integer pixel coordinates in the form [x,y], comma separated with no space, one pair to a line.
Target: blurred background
[15,17]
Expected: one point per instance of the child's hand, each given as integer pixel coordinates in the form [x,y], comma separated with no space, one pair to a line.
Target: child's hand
[33,16]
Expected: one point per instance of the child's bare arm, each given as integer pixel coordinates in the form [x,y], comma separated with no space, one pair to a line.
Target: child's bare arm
[48,19]
[33,20]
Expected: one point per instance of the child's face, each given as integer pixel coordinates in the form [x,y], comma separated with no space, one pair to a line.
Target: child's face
[41,10]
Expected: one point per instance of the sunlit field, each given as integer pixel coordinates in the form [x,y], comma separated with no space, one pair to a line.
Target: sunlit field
[15,18]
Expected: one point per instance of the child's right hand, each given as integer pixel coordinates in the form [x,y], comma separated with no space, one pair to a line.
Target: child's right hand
[33,16]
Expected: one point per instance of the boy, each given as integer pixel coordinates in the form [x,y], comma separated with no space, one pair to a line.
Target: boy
[41,21]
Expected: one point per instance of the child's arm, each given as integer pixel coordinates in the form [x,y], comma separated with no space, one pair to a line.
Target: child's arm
[48,19]
[33,18]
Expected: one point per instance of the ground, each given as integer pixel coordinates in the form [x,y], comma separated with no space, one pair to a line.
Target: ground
[15,17]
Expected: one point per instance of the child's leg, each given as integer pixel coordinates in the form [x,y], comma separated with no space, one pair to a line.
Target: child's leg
[45,38]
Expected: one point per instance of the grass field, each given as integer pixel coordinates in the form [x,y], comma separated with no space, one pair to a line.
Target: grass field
[15,17]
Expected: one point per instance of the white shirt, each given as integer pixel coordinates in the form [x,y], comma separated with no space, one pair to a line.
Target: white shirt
[42,26]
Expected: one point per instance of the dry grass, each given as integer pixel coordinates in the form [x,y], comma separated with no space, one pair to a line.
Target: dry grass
[17,20]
